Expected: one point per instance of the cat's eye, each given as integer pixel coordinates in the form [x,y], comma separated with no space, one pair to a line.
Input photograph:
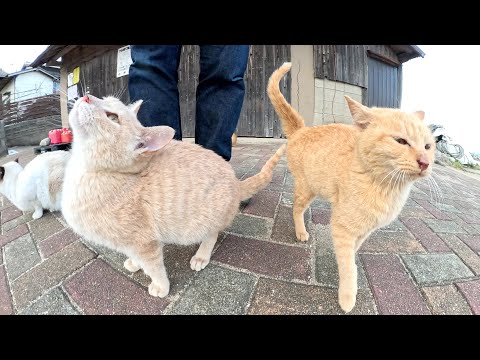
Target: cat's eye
[428,146]
[112,116]
[402,141]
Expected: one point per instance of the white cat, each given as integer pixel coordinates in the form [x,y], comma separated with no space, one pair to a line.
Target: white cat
[38,186]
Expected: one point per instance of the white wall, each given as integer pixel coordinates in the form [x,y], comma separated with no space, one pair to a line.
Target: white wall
[29,85]
[330,104]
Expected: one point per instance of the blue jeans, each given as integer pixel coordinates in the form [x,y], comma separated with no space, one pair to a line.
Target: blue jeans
[153,78]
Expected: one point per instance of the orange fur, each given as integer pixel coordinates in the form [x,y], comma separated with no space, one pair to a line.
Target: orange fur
[361,169]
[135,189]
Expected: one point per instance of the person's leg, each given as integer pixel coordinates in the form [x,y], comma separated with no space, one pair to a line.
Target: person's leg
[153,78]
[220,93]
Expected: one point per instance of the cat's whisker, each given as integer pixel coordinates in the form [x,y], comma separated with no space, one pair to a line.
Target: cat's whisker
[386,176]
[440,196]
[393,176]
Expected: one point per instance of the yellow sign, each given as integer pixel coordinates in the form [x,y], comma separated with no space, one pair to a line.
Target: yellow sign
[76,75]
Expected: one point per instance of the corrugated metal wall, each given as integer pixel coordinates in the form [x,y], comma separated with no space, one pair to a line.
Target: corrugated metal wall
[383,84]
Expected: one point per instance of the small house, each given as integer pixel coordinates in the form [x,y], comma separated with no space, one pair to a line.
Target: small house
[320,77]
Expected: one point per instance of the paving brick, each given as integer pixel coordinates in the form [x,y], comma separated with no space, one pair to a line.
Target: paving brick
[50,272]
[415,212]
[447,207]
[395,225]
[284,227]
[20,255]
[394,291]
[326,268]
[473,241]
[381,241]
[469,257]
[446,300]
[56,242]
[273,297]
[44,227]
[55,302]
[321,216]
[263,204]
[177,263]
[425,235]
[216,291]
[441,215]
[6,307]
[5,203]
[436,268]
[287,199]
[10,213]
[469,228]
[280,261]
[260,228]
[1,256]
[99,289]
[471,291]
[13,234]
[444,226]
[16,222]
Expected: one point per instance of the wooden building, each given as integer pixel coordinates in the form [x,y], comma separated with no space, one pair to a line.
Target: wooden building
[321,75]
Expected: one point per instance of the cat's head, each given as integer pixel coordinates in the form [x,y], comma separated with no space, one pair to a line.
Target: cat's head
[393,141]
[8,172]
[110,135]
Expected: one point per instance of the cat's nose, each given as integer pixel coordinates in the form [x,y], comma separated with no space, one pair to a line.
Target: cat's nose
[423,164]
[86,99]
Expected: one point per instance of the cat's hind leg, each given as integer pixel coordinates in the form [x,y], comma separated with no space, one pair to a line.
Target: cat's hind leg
[131,266]
[37,214]
[150,258]
[302,199]
[202,256]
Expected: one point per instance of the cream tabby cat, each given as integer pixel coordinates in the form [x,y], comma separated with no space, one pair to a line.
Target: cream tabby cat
[38,186]
[134,189]
[365,170]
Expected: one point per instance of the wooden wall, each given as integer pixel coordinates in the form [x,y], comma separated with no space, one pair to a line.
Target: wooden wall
[257,119]
[30,109]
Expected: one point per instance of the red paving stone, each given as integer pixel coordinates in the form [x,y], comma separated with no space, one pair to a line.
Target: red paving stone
[280,261]
[471,291]
[394,291]
[430,241]
[13,234]
[439,214]
[473,241]
[5,298]
[10,213]
[98,289]
[57,242]
[321,216]
[263,204]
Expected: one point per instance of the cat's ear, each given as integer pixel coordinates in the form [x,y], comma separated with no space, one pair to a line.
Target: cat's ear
[420,114]
[2,172]
[135,106]
[361,114]
[156,137]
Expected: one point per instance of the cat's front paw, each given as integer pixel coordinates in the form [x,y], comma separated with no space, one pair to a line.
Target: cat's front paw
[347,300]
[198,263]
[302,235]
[131,266]
[158,290]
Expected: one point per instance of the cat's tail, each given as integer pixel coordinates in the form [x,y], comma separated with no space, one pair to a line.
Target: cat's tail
[253,184]
[290,118]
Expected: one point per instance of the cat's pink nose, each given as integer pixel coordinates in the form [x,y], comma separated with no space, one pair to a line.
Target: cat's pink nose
[422,164]
[86,99]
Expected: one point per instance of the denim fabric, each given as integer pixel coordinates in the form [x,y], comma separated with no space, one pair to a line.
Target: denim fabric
[153,78]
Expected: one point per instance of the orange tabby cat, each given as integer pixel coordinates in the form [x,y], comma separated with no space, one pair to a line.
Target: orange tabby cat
[134,189]
[365,170]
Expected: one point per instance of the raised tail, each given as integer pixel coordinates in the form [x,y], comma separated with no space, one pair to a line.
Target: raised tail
[255,183]
[290,118]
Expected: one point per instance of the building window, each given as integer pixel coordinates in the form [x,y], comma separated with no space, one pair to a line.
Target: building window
[56,87]
[6,97]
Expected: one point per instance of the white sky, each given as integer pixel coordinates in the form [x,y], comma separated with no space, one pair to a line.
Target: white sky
[443,84]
